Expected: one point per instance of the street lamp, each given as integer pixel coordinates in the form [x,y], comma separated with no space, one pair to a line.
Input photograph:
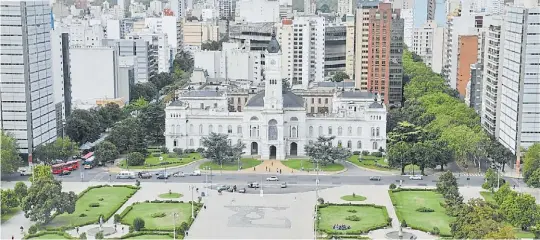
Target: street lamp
[206,169]
[192,210]
[175,215]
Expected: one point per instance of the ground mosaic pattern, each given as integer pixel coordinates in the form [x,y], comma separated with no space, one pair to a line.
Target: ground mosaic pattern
[258,217]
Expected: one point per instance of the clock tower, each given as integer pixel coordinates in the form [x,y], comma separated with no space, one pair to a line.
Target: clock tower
[273,95]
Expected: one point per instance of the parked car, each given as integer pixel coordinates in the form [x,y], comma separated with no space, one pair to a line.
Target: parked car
[242,190]
[416,177]
[230,189]
[163,176]
[24,171]
[179,174]
[196,173]
[65,172]
[222,187]
[375,178]
[125,175]
[160,173]
[253,185]
[283,185]
[272,178]
[145,175]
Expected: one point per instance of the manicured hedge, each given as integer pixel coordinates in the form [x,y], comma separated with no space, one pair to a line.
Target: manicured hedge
[354,234]
[141,233]
[61,233]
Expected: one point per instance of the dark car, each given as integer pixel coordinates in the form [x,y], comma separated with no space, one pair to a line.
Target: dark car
[375,178]
[163,176]
[145,175]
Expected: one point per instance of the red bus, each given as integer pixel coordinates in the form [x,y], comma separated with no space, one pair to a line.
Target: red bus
[88,155]
[71,165]
[58,168]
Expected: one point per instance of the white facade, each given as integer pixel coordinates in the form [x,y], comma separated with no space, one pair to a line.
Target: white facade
[233,62]
[257,11]
[428,42]
[95,76]
[178,8]
[146,65]
[490,81]
[113,29]
[27,107]
[274,124]
[345,7]
[160,40]
[302,42]
[85,33]
[518,122]
[408,26]
[225,9]
[156,7]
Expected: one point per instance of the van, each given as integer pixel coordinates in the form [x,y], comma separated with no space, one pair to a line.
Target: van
[196,173]
[125,175]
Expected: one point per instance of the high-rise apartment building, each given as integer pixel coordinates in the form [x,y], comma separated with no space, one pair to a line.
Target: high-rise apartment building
[61,68]
[345,7]
[467,55]
[379,48]
[518,121]
[257,11]
[178,7]
[310,6]
[302,47]
[26,83]
[490,76]
[335,35]
[146,64]
[225,9]
[428,44]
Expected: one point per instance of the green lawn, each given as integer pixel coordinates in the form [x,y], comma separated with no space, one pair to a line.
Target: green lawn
[370,218]
[488,196]
[523,234]
[170,195]
[112,198]
[173,161]
[406,203]
[354,198]
[244,162]
[309,166]
[153,236]
[49,236]
[10,213]
[370,162]
[145,210]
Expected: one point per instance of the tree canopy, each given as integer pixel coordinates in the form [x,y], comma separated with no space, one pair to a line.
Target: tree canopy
[339,77]
[82,126]
[106,152]
[44,198]
[128,136]
[323,152]
[531,166]
[10,160]
[61,148]
[147,90]
[220,150]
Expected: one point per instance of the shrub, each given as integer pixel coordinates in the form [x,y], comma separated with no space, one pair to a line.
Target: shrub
[356,153]
[164,149]
[82,236]
[156,154]
[365,153]
[189,150]
[353,218]
[424,209]
[101,199]
[392,186]
[320,200]
[138,224]
[376,154]
[351,211]
[33,229]
[178,151]
[173,155]
[200,150]
[83,215]
[135,159]
[93,205]
[99,235]
[435,231]
[158,215]
[117,218]
[403,223]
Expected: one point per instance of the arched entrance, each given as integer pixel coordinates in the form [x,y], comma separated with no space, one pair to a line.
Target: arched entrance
[254,148]
[294,149]
[272,152]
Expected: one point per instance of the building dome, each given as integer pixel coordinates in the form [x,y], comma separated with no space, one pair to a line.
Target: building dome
[273,45]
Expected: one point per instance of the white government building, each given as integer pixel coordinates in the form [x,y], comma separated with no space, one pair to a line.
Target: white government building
[275,123]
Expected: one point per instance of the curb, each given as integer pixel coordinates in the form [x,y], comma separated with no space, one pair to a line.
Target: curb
[156,169]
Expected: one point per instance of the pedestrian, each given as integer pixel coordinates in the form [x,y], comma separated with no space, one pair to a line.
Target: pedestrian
[122,229]
[77,230]
[12,237]
[279,171]
[115,227]
[253,168]
[22,229]
[272,164]
[204,206]
[187,233]
[514,186]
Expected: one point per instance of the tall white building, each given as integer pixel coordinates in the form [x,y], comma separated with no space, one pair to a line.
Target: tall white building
[145,52]
[85,33]
[345,7]
[156,7]
[27,103]
[518,122]
[428,42]
[302,42]
[408,26]
[61,69]
[178,7]
[225,9]
[490,76]
[310,6]
[159,39]
[257,11]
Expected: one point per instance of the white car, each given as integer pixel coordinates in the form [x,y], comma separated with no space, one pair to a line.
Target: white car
[25,171]
[179,174]
[416,177]
[196,173]
[272,178]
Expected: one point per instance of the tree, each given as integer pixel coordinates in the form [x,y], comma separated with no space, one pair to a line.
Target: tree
[498,153]
[324,153]
[490,180]
[534,179]
[285,85]
[162,79]
[135,159]
[9,199]
[152,119]
[20,190]
[211,46]
[41,172]
[61,148]
[109,114]
[45,197]
[399,155]
[520,210]
[406,132]
[324,8]
[531,162]
[503,192]
[446,181]
[128,136]
[138,224]
[82,126]
[99,235]
[147,91]
[10,160]
[339,77]
[106,151]
[219,150]
[183,62]
[475,220]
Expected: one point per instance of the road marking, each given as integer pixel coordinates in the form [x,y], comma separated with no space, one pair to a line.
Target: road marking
[99,177]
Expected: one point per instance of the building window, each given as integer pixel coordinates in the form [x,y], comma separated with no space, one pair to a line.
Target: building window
[340,131]
[294,132]
[378,132]
[375,146]
[358,131]
[191,128]
[359,144]
[373,132]
[339,143]
[239,142]
[229,141]
[175,142]
[326,100]
[202,105]
[319,100]
[330,130]
[220,129]
[173,127]
[349,144]
[210,129]
[191,142]
[201,129]
[272,130]
[311,131]
[321,131]
[229,129]
[239,130]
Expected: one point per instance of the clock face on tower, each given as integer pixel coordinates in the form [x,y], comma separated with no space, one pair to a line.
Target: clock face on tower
[273,62]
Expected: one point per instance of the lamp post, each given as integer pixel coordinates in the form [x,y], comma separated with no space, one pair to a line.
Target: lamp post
[175,215]
[192,210]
